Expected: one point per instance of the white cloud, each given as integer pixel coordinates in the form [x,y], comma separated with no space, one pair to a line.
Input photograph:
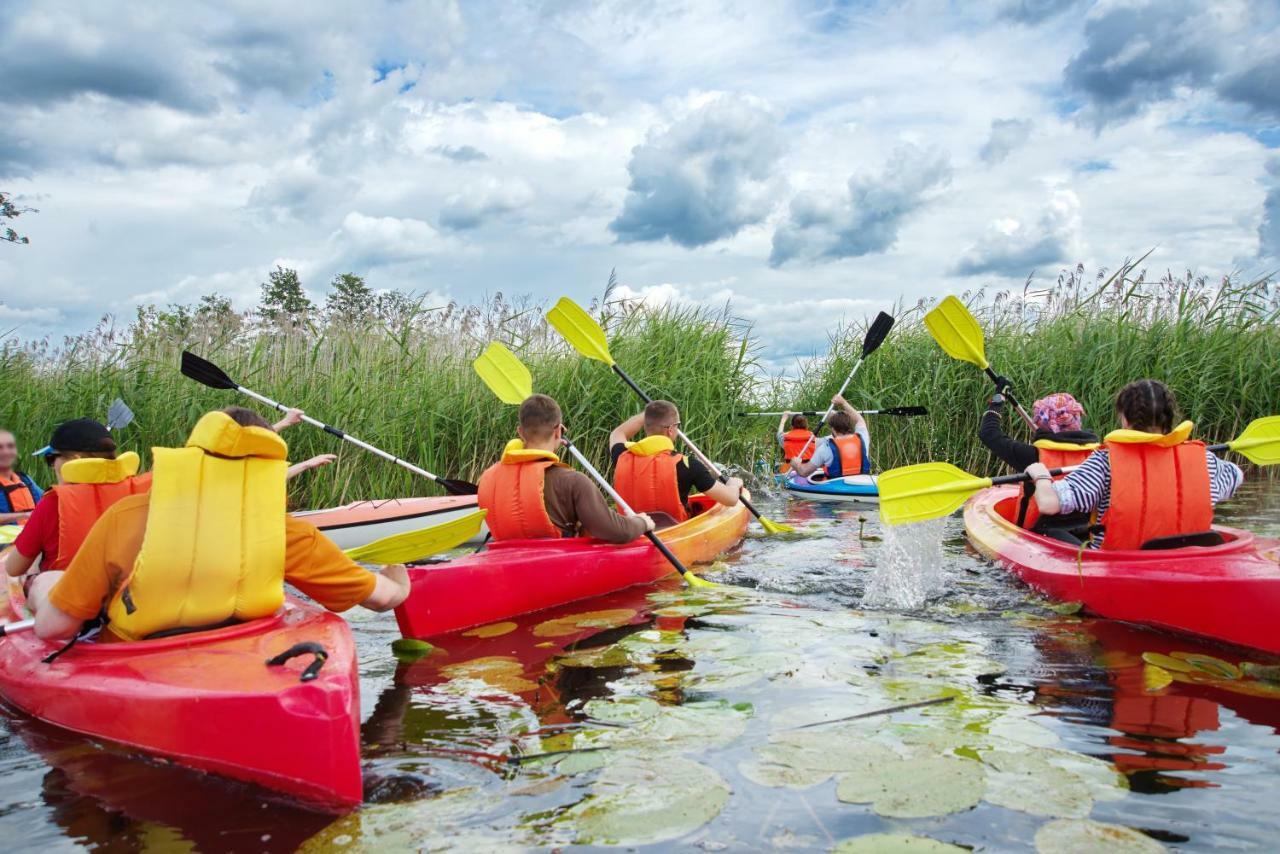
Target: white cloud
[1013,248]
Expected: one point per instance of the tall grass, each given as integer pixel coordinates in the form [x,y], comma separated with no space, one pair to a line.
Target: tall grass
[1216,345]
[404,385]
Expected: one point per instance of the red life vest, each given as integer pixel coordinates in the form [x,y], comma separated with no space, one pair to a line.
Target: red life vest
[512,490]
[1054,455]
[647,477]
[81,504]
[848,459]
[1159,487]
[19,494]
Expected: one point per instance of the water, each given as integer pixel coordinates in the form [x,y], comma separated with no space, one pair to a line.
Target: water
[672,721]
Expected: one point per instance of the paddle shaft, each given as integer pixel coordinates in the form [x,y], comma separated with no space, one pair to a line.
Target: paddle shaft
[808,412]
[832,407]
[623,505]
[19,626]
[697,452]
[995,378]
[334,431]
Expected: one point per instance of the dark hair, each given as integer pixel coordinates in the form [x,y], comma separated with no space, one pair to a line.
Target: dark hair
[799,422]
[658,414]
[539,417]
[107,451]
[840,422]
[246,417]
[1148,405]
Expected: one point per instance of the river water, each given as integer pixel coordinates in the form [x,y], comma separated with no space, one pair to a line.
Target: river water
[664,719]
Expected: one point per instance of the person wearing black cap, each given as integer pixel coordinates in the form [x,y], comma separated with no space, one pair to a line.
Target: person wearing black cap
[90,478]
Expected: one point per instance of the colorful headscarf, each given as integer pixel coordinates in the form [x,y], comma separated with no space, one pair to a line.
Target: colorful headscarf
[1057,412]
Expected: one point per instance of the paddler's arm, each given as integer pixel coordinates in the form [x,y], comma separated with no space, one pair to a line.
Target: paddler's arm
[627,430]
[291,417]
[16,563]
[782,426]
[306,465]
[1046,496]
[318,568]
[390,589]
[570,492]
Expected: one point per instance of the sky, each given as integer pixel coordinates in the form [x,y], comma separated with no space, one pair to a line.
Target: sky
[802,162]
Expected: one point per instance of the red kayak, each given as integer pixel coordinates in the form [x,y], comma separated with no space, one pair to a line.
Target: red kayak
[210,701]
[1228,592]
[521,576]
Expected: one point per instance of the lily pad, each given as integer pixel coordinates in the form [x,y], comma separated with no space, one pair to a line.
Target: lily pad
[916,788]
[410,650]
[775,776]
[1049,791]
[1071,835]
[1265,672]
[1155,678]
[816,750]
[574,623]
[1159,659]
[623,710]
[1209,665]
[894,843]
[492,630]
[498,671]
[641,801]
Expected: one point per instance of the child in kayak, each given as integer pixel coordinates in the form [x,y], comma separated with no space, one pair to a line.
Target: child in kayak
[18,492]
[530,494]
[1149,480]
[797,440]
[91,477]
[1060,440]
[846,452]
[651,476]
[216,512]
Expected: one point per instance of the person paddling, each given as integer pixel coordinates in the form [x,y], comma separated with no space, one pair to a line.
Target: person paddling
[1148,481]
[90,478]
[18,492]
[846,452]
[796,441]
[215,515]
[530,494]
[651,476]
[1060,440]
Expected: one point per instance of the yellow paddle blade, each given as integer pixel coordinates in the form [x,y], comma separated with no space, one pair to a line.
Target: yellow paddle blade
[580,330]
[957,332]
[504,374]
[1260,441]
[694,581]
[773,527]
[414,545]
[925,491]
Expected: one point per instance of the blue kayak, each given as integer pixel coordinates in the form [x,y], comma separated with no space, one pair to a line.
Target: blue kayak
[860,488]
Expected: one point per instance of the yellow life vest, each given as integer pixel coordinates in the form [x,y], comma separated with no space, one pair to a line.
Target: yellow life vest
[213,550]
[94,470]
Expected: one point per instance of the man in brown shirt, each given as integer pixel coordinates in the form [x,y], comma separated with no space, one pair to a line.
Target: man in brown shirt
[530,494]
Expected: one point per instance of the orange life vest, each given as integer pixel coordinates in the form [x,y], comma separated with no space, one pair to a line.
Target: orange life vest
[20,498]
[848,459]
[1054,455]
[91,486]
[647,477]
[793,441]
[512,490]
[1159,487]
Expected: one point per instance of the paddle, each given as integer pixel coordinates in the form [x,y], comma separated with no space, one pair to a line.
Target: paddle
[957,332]
[207,373]
[17,626]
[932,490]
[509,379]
[119,415]
[875,336]
[413,545]
[902,411]
[588,338]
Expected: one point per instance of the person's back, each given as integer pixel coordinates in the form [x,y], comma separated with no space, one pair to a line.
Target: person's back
[846,452]
[530,494]
[796,441]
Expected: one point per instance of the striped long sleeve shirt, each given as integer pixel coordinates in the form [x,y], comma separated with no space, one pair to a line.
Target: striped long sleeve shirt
[1088,488]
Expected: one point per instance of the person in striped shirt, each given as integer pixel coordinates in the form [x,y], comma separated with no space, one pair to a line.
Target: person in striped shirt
[1147,406]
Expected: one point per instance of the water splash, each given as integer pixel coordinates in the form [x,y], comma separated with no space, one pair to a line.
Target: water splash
[909,567]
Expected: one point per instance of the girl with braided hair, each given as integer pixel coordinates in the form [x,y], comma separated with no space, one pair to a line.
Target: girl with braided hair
[1149,481]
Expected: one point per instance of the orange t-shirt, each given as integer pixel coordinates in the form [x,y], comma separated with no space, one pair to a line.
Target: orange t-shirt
[312,563]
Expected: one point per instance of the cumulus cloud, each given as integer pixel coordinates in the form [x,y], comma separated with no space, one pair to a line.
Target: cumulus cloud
[1006,135]
[705,177]
[865,219]
[1269,228]
[1033,11]
[483,201]
[366,242]
[1012,248]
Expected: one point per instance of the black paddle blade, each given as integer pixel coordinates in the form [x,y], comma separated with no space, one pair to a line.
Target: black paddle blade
[876,334]
[205,372]
[457,487]
[905,411]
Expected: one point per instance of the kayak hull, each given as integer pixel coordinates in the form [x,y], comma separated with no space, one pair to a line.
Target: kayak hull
[522,576]
[857,489]
[1228,593]
[363,522]
[208,701]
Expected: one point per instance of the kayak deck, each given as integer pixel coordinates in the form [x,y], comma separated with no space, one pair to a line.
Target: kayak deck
[362,522]
[521,576]
[208,701]
[859,488]
[1229,592]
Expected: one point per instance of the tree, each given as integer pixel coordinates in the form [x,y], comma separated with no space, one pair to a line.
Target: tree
[8,210]
[350,301]
[283,297]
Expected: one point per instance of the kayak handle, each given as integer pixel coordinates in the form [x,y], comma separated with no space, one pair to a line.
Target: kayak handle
[313,669]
